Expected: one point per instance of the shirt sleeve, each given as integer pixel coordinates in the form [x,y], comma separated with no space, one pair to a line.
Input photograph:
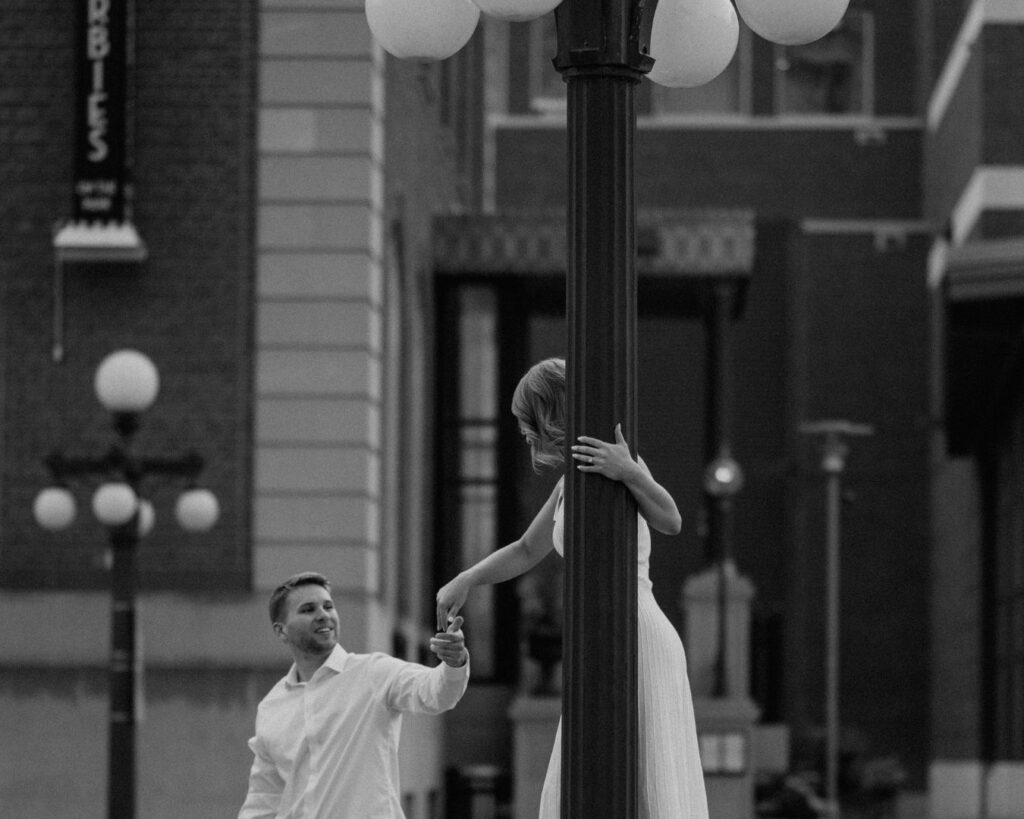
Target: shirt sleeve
[415,688]
[265,786]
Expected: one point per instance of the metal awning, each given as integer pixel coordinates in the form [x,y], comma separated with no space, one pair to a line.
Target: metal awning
[983,270]
[91,242]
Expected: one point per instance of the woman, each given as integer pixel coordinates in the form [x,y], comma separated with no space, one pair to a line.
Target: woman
[671,784]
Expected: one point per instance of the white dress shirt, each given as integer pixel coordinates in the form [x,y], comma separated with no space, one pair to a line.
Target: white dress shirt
[328,748]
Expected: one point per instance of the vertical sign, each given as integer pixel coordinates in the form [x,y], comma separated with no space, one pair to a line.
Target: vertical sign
[101,155]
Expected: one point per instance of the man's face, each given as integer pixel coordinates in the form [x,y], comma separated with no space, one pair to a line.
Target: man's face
[310,624]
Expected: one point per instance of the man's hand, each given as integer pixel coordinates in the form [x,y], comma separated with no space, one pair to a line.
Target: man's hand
[450,645]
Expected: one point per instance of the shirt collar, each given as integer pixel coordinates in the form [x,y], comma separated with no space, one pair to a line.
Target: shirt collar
[335,662]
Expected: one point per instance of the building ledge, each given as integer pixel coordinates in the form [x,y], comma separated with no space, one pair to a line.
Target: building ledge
[986,270]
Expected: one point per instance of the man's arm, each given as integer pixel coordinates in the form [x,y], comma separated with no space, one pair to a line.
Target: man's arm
[418,689]
[265,787]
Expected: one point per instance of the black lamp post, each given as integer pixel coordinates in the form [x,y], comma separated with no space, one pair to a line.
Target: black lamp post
[126,384]
[604,50]
[723,477]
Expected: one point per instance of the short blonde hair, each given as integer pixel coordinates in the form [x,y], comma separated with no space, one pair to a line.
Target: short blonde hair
[279,598]
[539,405]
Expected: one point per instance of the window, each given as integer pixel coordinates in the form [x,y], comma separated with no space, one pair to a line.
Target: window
[547,89]
[470,440]
[486,491]
[833,75]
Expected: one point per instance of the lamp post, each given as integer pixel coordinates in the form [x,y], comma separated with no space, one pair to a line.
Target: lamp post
[126,384]
[723,477]
[604,50]
[833,463]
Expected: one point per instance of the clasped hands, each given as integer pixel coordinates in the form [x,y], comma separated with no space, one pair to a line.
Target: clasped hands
[450,645]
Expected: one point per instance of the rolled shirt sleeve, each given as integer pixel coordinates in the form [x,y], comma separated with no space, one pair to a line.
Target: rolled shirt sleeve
[417,689]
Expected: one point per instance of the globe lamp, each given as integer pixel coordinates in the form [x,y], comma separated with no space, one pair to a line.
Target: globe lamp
[422,29]
[126,382]
[54,508]
[692,41]
[792,22]
[114,503]
[197,510]
[516,11]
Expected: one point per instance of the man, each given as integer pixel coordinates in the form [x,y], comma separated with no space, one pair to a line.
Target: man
[326,744]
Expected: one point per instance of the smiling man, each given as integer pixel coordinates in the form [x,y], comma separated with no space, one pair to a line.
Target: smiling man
[326,744]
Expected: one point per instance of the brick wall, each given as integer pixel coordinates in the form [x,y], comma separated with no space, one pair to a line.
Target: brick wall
[1003,60]
[818,172]
[187,306]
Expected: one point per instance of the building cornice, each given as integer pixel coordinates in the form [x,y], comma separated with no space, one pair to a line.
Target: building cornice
[980,14]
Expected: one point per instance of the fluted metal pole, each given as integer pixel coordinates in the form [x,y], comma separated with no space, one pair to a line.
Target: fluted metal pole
[601,56]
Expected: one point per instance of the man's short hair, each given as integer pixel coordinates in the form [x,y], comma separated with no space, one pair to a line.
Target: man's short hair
[280,595]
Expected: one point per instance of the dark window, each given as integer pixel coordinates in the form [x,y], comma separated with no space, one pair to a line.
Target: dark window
[833,75]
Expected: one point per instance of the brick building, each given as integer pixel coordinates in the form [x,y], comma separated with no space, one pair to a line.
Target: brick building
[351,259]
[974,189]
[285,300]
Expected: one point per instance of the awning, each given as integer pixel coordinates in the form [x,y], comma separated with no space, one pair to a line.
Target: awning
[982,270]
[91,242]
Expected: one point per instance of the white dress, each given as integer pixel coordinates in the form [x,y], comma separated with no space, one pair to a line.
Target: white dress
[670,780]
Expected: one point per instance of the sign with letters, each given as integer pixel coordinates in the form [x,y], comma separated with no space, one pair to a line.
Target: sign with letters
[101,136]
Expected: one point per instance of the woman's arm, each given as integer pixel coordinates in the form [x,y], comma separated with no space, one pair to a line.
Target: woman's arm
[615,461]
[510,561]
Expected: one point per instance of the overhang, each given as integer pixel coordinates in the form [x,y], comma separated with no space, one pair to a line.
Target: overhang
[98,242]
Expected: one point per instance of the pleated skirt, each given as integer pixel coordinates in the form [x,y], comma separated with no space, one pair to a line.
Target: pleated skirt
[671,782]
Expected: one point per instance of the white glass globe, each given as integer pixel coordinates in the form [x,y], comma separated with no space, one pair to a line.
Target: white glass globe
[147,517]
[792,22]
[126,381]
[197,510]
[114,503]
[723,477]
[692,41]
[516,11]
[54,508]
[422,29]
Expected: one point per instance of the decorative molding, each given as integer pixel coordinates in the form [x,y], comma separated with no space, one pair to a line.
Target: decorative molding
[668,243]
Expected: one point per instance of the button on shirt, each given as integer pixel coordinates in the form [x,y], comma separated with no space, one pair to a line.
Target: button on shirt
[328,748]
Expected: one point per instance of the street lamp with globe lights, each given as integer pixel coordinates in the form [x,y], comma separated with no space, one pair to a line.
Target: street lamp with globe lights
[126,384]
[603,52]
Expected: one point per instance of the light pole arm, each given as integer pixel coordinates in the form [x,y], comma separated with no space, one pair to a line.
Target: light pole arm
[119,460]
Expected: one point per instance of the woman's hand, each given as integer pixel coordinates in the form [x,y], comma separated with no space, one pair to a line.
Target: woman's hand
[450,598]
[611,460]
